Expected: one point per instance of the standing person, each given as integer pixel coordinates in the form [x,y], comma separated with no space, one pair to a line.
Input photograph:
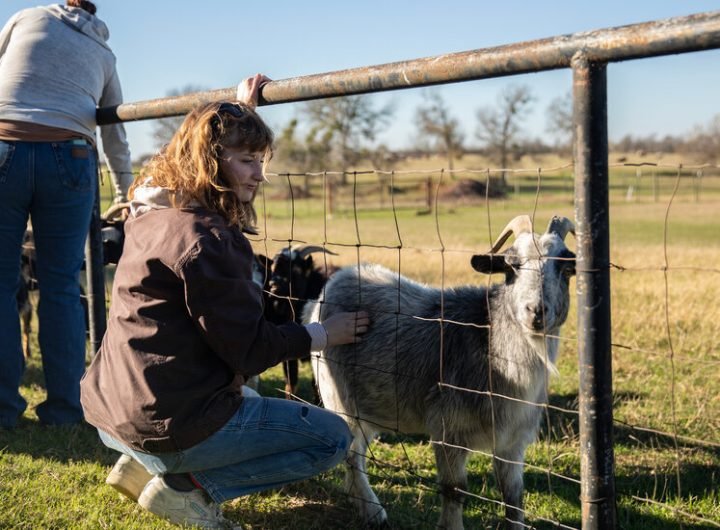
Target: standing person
[55,69]
[186,329]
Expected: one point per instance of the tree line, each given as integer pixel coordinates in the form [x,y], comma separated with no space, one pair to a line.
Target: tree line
[341,133]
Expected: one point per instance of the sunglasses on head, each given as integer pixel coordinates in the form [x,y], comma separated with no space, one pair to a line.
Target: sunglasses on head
[225,108]
[232,109]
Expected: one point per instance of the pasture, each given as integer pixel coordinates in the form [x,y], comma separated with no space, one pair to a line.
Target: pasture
[665,281]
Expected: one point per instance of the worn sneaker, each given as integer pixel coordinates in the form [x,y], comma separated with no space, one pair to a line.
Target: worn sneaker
[181,507]
[129,477]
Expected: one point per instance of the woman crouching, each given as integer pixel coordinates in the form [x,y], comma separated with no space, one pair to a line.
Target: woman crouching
[186,329]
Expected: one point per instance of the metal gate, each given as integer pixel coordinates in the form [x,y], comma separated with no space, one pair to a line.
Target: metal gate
[587,54]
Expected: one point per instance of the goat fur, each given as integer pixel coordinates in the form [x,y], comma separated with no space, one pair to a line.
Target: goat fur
[467,366]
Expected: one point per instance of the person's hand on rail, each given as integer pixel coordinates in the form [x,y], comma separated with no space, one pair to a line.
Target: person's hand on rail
[249,89]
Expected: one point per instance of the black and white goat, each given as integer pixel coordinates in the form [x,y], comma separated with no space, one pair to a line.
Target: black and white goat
[294,279]
[467,365]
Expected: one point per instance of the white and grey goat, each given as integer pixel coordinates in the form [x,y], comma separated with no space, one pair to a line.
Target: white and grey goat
[467,366]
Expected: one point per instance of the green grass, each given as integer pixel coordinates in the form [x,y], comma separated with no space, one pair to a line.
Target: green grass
[666,369]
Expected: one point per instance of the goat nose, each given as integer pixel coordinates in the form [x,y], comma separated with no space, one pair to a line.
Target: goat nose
[538,314]
[537,308]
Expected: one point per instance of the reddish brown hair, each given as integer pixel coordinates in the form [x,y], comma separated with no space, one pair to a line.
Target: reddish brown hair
[83,4]
[188,166]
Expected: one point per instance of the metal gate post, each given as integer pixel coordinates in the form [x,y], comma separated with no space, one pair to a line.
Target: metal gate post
[95,275]
[593,293]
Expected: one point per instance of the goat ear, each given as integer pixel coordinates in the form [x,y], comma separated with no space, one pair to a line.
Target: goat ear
[489,263]
[568,263]
[263,260]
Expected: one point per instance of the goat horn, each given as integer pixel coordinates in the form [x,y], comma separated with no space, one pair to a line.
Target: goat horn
[519,225]
[561,226]
[309,249]
[111,212]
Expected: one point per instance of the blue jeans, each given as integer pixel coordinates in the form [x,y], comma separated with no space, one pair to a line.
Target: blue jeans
[54,183]
[269,442]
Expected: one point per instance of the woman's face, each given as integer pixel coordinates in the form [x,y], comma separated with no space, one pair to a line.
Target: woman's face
[241,170]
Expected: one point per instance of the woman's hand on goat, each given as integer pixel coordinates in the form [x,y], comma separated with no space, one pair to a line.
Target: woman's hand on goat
[346,328]
[248,91]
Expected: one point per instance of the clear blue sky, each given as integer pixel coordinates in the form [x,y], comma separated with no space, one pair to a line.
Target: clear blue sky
[163,45]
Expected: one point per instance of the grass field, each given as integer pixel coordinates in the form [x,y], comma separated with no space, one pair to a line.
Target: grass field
[665,285]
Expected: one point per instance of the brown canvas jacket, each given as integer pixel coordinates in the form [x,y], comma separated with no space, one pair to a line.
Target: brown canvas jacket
[185,324]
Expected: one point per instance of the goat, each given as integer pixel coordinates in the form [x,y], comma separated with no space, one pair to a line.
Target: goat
[112,229]
[26,283]
[467,365]
[112,224]
[261,271]
[294,279]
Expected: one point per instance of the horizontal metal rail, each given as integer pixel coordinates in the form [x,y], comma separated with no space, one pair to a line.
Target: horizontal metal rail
[649,39]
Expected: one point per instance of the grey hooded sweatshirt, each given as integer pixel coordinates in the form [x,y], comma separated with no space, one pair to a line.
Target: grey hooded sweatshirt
[55,70]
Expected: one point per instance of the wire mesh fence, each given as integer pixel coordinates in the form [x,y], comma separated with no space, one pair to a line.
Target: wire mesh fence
[666,355]
[658,226]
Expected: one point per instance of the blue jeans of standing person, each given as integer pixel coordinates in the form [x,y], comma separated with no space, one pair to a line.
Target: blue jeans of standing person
[54,184]
[268,443]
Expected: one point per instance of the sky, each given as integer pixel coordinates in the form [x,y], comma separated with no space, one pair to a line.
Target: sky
[166,45]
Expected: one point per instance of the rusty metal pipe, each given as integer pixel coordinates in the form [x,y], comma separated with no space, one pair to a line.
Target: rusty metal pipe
[648,39]
[592,214]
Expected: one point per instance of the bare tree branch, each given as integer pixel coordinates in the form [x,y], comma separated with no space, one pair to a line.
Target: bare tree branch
[499,126]
[436,125]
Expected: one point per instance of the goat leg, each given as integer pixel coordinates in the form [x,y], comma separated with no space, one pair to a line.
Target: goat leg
[290,371]
[452,477]
[357,485]
[508,464]
[26,317]
[25,310]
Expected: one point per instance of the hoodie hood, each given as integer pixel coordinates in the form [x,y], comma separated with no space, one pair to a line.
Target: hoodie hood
[147,196]
[82,21]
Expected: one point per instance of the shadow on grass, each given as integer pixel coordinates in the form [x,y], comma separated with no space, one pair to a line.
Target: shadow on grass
[563,425]
[413,501]
[76,443]
[61,443]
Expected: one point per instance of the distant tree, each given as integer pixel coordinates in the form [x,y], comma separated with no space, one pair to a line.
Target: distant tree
[292,154]
[499,127]
[648,144]
[670,144]
[381,157]
[560,121]
[436,125]
[318,148]
[705,141]
[626,144]
[339,126]
[164,128]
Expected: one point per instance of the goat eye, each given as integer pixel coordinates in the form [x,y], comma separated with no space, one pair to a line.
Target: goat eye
[567,268]
[513,260]
[518,264]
